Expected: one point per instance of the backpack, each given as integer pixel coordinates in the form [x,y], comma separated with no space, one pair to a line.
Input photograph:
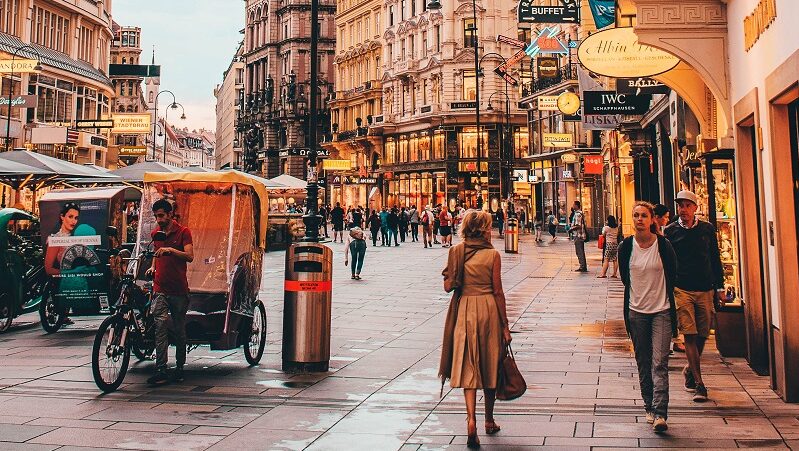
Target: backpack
[426,218]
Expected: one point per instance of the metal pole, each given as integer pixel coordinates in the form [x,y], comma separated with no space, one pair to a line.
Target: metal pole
[155,121]
[311,218]
[477,105]
[10,93]
[511,155]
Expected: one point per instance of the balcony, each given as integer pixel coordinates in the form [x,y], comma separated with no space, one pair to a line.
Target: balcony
[563,74]
[406,66]
[352,134]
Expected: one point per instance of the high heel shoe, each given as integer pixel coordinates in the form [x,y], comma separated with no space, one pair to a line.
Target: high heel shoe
[472,441]
[492,427]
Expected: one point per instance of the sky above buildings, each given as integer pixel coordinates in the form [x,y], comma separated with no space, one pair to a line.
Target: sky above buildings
[195,40]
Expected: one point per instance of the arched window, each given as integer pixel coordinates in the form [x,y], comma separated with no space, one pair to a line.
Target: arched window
[152,96]
[124,60]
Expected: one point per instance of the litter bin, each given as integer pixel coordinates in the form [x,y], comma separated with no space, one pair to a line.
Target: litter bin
[512,236]
[306,307]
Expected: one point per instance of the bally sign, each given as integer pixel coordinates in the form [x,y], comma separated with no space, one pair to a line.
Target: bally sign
[562,140]
[566,12]
[640,85]
[610,102]
[19,101]
[617,53]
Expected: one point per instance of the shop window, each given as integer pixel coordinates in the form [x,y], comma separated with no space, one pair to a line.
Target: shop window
[403,150]
[521,142]
[467,143]
[469,33]
[424,148]
[391,148]
[413,149]
[469,85]
[439,145]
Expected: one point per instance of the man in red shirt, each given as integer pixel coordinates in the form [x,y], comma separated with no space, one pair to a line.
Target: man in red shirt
[171,290]
[445,226]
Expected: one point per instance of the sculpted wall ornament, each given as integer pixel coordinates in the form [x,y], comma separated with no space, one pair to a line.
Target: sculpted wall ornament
[653,13]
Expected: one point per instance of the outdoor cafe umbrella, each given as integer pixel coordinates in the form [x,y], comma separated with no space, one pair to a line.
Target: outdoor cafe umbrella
[61,168]
[18,176]
[135,172]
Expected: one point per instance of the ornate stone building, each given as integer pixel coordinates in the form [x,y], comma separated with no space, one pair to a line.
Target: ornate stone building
[128,93]
[428,120]
[274,119]
[229,98]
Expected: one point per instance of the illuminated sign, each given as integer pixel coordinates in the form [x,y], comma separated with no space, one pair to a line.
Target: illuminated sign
[131,123]
[547,67]
[547,42]
[548,103]
[132,151]
[18,66]
[337,165]
[102,123]
[563,140]
[610,102]
[616,52]
[566,12]
[641,85]
[510,41]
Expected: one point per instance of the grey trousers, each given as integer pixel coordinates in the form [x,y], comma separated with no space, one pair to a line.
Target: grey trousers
[579,247]
[651,335]
[162,306]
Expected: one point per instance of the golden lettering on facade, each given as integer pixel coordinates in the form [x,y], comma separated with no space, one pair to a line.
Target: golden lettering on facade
[758,22]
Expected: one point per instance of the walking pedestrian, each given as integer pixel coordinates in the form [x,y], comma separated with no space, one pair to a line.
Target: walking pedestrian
[611,234]
[552,224]
[414,219]
[445,227]
[662,217]
[384,226]
[521,213]
[578,231]
[337,218]
[699,274]
[323,212]
[477,322]
[427,221]
[571,220]
[501,221]
[404,218]
[357,218]
[436,223]
[393,226]
[356,245]
[374,226]
[170,289]
[539,226]
[648,270]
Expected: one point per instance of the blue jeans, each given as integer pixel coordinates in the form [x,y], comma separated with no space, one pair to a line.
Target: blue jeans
[358,252]
[651,335]
[392,233]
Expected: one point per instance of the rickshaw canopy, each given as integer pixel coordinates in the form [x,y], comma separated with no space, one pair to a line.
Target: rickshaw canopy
[131,194]
[223,177]
[7,215]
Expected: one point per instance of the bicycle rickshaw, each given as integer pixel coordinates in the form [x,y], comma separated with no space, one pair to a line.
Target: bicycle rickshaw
[83,279]
[227,215]
[21,272]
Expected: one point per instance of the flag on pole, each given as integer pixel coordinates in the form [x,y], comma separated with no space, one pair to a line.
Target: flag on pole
[604,12]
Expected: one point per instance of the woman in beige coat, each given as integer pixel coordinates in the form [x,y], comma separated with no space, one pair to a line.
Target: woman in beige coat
[477,323]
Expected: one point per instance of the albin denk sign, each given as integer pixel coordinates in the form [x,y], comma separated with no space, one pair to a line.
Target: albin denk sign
[617,53]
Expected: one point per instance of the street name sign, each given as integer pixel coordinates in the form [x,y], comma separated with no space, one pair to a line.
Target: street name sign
[567,12]
[610,102]
[462,105]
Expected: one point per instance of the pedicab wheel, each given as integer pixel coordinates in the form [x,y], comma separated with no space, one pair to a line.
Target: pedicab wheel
[51,315]
[256,341]
[110,358]
[6,312]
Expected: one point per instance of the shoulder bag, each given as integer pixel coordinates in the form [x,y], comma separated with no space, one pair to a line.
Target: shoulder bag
[510,383]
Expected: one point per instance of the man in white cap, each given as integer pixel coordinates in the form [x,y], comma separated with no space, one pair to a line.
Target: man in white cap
[700,279]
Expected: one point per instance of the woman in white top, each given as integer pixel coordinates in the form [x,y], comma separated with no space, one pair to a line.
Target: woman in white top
[648,269]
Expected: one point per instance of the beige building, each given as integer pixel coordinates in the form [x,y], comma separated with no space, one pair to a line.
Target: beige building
[428,120]
[72,41]
[357,100]
[229,98]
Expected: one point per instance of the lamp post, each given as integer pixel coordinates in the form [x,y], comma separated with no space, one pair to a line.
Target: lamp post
[312,218]
[155,117]
[36,68]
[174,106]
[507,149]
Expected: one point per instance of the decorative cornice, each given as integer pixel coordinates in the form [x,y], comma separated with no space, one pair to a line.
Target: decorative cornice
[659,14]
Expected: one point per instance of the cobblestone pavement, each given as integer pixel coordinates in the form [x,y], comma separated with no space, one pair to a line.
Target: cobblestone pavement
[382,392]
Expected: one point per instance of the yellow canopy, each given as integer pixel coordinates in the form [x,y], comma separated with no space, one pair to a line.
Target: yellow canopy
[221,177]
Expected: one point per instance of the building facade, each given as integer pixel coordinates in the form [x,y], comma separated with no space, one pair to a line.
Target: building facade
[357,100]
[128,94]
[428,119]
[229,98]
[274,120]
[72,43]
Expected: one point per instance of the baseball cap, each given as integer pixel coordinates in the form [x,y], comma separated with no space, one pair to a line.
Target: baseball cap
[686,195]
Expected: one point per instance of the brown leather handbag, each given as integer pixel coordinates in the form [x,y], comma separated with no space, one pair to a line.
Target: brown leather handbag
[510,383]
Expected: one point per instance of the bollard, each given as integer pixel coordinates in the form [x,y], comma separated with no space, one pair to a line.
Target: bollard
[512,236]
[307,298]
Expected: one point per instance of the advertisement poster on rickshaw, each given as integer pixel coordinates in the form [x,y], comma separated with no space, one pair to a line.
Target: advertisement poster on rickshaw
[73,234]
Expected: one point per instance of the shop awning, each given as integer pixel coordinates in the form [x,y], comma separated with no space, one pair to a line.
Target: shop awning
[61,168]
[135,172]
[18,175]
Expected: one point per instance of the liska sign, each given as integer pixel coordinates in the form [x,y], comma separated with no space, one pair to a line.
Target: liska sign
[617,53]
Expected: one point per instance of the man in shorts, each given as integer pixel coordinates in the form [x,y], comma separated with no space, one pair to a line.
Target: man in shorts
[700,280]
[337,218]
[445,227]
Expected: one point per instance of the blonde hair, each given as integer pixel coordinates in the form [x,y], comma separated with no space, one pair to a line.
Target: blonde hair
[475,223]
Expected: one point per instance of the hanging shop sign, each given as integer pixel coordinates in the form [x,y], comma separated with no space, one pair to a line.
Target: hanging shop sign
[569,158]
[604,12]
[567,12]
[520,175]
[303,152]
[593,164]
[102,123]
[576,117]
[616,52]
[131,123]
[548,103]
[567,174]
[501,71]
[610,102]
[547,67]
[351,180]
[599,122]
[510,41]
[18,66]
[337,165]
[19,101]
[641,85]
[132,151]
[547,41]
[532,178]
[560,140]
[569,103]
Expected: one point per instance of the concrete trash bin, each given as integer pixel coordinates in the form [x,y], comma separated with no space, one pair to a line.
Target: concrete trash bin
[512,236]
[308,290]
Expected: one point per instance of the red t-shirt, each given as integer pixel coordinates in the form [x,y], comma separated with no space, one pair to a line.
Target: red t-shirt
[170,270]
[443,218]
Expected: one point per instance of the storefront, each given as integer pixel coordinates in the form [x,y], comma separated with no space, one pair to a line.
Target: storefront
[354,191]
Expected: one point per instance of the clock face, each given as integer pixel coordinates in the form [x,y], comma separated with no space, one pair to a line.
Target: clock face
[568,103]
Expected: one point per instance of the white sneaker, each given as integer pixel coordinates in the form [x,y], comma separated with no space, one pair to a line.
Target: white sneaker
[650,417]
[660,425]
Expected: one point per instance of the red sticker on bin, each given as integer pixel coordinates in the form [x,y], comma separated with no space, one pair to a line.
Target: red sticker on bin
[308,285]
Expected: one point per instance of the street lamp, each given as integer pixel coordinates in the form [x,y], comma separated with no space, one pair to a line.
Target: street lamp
[173,106]
[312,218]
[37,68]
[155,117]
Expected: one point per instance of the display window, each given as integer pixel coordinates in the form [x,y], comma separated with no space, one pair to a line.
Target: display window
[521,142]
[390,151]
[424,145]
[467,143]
[439,145]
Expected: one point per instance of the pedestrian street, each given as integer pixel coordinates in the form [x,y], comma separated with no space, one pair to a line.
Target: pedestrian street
[381,392]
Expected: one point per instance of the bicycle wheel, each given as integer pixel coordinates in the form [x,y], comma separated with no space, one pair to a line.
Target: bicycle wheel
[51,314]
[256,341]
[110,357]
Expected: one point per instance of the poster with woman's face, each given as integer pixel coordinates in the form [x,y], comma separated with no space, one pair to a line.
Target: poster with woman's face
[72,232]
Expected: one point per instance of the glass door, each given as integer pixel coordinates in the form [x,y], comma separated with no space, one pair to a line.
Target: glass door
[722,213]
